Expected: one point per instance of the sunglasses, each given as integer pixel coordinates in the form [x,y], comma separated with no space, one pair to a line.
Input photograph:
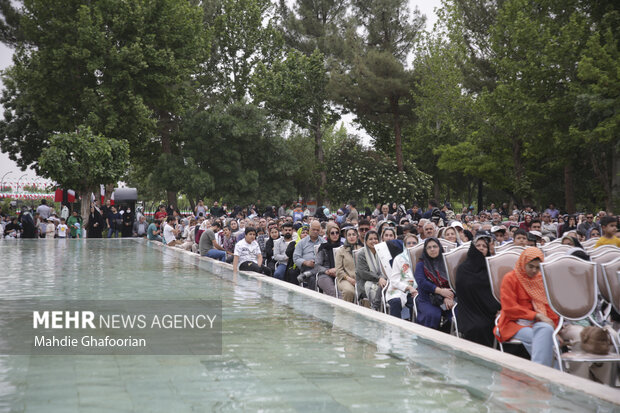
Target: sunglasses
[334,233]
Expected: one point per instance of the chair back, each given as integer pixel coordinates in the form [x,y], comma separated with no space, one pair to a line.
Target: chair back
[498,266]
[415,253]
[589,243]
[504,247]
[612,282]
[452,260]
[514,248]
[604,248]
[447,245]
[555,249]
[570,284]
[600,259]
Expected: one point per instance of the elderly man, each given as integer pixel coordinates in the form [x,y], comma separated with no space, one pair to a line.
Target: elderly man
[304,256]
[549,228]
[385,215]
[140,227]
[429,230]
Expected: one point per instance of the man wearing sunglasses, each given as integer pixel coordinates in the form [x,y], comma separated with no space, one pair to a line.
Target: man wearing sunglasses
[362,228]
[589,223]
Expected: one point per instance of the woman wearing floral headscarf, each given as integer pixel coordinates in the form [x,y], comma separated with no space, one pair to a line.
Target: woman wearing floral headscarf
[526,314]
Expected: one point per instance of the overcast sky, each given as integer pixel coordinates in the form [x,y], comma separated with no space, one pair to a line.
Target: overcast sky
[7,166]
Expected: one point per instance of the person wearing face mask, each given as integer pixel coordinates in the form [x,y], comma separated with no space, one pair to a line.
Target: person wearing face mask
[127,228]
[525,313]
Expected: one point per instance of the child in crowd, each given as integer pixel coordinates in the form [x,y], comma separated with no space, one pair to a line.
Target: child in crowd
[609,226]
[62,228]
[247,254]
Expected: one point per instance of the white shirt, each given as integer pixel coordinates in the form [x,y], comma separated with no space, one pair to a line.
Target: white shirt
[62,230]
[247,252]
[168,234]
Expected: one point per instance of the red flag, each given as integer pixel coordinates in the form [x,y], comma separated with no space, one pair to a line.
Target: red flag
[58,194]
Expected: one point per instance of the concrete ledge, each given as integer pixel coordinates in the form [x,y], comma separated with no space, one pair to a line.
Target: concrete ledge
[463,348]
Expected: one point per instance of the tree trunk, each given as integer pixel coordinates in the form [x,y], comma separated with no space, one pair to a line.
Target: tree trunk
[436,188]
[397,134]
[601,171]
[518,169]
[569,189]
[166,147]
[615,178]
[85,205]
[320,158]
[480,187]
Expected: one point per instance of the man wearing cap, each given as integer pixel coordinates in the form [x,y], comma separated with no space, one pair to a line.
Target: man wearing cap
[499,232]
[534,237]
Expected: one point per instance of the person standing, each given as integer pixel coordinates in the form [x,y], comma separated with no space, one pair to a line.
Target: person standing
[71,223]
[43,210]
[127,228]
[95,223]
[113,220]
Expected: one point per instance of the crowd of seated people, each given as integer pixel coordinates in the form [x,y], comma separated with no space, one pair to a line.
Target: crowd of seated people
[336,253]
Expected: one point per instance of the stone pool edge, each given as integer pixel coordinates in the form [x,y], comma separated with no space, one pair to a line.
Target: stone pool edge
[543,373]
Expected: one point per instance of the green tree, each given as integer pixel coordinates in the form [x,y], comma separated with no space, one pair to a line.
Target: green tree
[9,23]
[122,68]
[443,110]
[243,35]
[83,160]
[370,176]
[234,153]
[310,24]
[373,82]
[597,123]
[296,89]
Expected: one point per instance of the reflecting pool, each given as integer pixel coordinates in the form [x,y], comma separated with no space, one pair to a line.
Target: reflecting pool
[282,351]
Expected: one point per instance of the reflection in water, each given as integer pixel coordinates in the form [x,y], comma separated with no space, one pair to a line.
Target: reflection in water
[281,351]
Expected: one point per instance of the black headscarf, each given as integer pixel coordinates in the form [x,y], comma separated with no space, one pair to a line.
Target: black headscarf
[434,268]
[475,262]
[395,247]
[328,247]
[477,306]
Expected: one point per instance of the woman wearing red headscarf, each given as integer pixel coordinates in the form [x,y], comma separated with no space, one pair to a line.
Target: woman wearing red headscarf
[526,315]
